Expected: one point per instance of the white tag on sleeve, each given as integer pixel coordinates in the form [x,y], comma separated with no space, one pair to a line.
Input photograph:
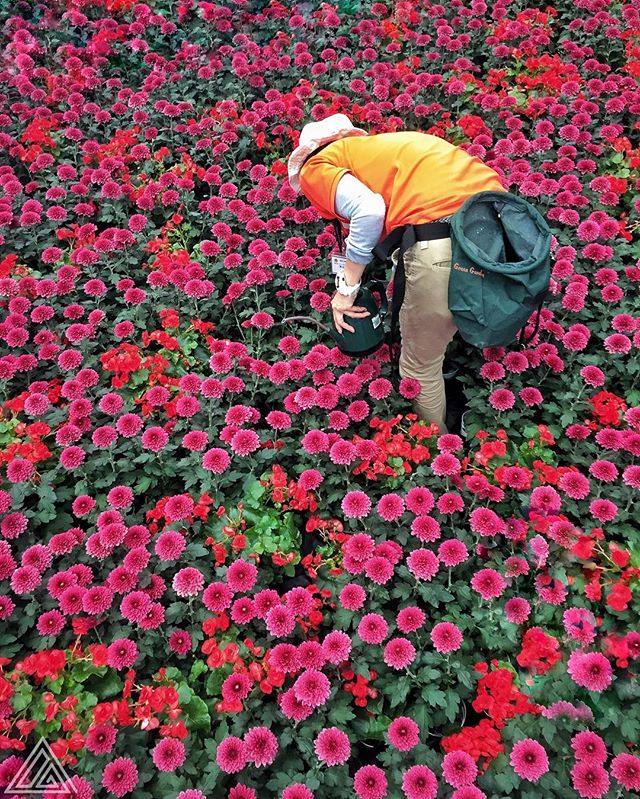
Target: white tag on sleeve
[338,263]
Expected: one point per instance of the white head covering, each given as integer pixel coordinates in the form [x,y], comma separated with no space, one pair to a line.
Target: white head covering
[314,135]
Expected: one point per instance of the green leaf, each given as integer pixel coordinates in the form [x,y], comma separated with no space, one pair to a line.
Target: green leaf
[109,686]
[197,713]
[143,484]
[340,715]
[22,698]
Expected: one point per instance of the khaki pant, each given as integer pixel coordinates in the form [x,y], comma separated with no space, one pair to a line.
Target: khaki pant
[426,325]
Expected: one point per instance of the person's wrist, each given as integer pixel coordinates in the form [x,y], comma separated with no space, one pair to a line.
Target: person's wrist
[353,272]
[344,287]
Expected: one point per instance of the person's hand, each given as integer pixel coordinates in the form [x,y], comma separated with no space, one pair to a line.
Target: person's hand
[342,306]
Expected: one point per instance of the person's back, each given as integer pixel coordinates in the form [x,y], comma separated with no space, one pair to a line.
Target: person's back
[421,177]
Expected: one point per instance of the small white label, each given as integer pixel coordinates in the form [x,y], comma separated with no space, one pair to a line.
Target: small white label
[375,321]
[424,245]
[338,263]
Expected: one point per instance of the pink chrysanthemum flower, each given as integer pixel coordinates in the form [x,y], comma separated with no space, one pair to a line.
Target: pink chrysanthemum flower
[72,457]
[452,552]
[468,792]
[379,570]
[590,780]
[238,791]
[410,619]
[360,547]
[488,583]
[342,453]
[310,479]
[423,564]
[625,768]
[403,733]
[236,687]
[370,782]
[399,653]
[380,388]
[312,688]
[426,528]
[120,777]
[265,600]
[122,653]
[170,545]
[217,597]
[50,623]
[241,576]
[297,791]
[631,477]
[336,646]
[280,621]
[179,507]
[580,625]
[154,439]
[245,442]
[592,376]
[590,670]
[292,707]
[486,522]
[299,601]
[531,396]
[446,637]
[332,746]
[261,746]
[188,582]
[372,628]
[311,655]
[101,739]
[169,754]
[315,441]
[419,782]
[459,769]
[545,500]
[352,597]
[604,470]
[13,525]
[409,388]
[356,505]
[419,500]
[517,610]
[501,399]
[450,503]
[20,470]
[588,745]
[216,460]
[446,465]
[231,755]
[604,510]
[574,484]
[180,642]
[529,760]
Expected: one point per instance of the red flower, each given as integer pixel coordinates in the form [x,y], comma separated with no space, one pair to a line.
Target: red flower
[619,597]
[539,651]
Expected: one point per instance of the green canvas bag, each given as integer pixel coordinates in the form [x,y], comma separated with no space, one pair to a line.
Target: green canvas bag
[500,267]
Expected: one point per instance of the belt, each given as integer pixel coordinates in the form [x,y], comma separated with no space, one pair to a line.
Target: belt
[432,230]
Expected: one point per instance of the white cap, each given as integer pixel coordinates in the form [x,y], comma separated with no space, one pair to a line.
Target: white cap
[314,135]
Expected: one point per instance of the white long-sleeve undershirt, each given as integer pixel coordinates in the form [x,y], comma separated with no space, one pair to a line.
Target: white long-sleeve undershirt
[365,211]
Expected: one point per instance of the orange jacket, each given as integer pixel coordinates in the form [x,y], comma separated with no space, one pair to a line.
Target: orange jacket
[421,177]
